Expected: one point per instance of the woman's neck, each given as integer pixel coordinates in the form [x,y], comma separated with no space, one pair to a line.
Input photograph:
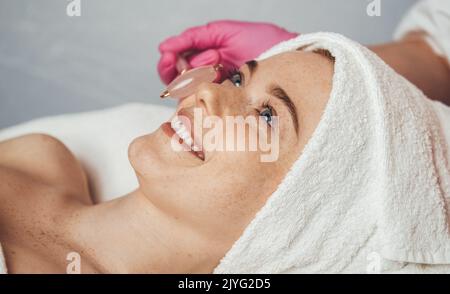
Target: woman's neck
[131,235]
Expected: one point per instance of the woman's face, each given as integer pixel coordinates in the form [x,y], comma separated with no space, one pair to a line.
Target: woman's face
[221,194]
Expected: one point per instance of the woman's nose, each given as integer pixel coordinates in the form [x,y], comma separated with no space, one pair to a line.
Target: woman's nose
[208,97]
[220,99]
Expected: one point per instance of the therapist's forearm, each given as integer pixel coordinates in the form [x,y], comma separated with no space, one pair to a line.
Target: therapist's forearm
[415,60]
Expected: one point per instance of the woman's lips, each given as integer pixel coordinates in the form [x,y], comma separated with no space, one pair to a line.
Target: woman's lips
[167,129]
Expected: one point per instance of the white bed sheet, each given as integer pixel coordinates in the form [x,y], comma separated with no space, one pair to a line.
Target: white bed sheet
[100,140]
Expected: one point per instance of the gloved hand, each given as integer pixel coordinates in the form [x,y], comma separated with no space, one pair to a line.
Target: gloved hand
[230,43]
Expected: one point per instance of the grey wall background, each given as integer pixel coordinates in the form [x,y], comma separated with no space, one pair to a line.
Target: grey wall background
[51,63]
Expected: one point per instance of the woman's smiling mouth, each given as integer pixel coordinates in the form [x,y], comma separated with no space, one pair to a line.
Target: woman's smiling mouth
[183,135]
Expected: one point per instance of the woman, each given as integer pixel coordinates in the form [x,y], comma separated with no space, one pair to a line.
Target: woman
[198,209]
[186,222]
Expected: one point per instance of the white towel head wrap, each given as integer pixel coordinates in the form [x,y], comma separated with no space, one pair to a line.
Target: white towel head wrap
[374,177]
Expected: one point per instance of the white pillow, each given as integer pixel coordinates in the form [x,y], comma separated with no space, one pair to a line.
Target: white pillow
[100,140]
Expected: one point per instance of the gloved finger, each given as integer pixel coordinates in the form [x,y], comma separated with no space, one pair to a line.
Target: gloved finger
[208,57]
[196,38]
[212,57]
[167,67]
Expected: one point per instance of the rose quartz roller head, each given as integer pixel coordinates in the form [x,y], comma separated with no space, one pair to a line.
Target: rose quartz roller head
[186,83]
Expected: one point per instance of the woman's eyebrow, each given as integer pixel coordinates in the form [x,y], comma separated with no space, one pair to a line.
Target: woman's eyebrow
[279,93]
[252,65]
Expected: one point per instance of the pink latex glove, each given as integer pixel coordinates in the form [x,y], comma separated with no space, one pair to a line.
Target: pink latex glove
[230,43]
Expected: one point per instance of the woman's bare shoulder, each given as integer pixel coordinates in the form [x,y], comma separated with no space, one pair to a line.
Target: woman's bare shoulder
[43,159]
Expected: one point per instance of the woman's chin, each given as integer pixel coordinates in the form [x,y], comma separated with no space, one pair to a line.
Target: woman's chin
[154,153]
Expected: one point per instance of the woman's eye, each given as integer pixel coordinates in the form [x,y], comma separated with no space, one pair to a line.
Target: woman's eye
[236,79]
[267,114]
